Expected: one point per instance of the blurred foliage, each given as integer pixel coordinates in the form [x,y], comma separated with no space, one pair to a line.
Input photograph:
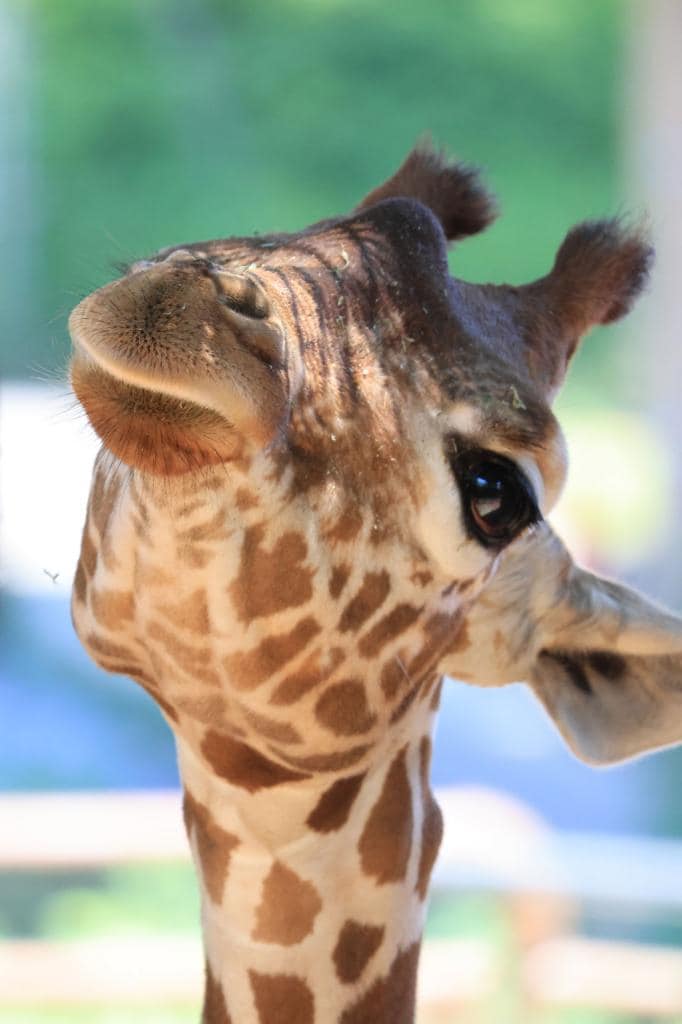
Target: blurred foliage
[133,901]
[613,509]
[159,122]
[26,898]
[179,1015]
[129,900]
[116,1015]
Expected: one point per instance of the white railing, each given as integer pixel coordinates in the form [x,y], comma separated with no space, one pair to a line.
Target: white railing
[492,844]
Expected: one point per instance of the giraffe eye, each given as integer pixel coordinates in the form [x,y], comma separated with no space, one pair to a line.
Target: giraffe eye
[498,500]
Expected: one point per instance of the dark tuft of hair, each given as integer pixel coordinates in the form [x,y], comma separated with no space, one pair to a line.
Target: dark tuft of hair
[601,267]
[451,190]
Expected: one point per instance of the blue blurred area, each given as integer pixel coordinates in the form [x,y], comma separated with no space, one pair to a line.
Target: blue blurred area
[502,738]
[67,725]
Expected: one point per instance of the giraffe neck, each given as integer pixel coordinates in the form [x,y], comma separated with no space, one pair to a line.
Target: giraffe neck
[313,894]
[302,718]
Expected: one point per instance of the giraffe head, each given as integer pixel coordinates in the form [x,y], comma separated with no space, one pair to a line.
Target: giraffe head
[385,432]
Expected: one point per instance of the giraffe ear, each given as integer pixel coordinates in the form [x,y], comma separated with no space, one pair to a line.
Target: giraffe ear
[605,662]
[452,191]
[612,682]
[600,269]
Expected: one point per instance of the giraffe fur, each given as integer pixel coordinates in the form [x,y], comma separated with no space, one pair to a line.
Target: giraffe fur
[326,465]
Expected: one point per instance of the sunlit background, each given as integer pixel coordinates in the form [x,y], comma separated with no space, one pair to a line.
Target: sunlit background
[126,126]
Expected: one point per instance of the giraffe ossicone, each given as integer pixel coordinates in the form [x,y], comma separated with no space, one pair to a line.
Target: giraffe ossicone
[325,469]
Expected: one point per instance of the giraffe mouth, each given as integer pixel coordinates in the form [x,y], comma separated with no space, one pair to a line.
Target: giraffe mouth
[149,430]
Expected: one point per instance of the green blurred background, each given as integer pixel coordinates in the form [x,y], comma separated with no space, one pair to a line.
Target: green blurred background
[129,126]
[159,121]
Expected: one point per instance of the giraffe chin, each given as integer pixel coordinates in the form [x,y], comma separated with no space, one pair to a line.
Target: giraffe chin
[148,430]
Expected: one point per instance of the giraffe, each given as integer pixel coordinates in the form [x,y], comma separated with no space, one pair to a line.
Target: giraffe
[323,483]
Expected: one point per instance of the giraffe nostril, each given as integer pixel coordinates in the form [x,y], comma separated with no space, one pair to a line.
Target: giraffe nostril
[241,294]
[185,256]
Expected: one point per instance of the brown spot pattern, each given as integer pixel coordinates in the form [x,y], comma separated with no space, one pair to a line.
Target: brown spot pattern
[243,766]
[166,669]
[249,669]
[80,583]
[288,908]
[386,840]
[103,499]
[189,508]
[393,677]
[391,999]
[270,581]
[466,584]
[214,845]
[369,598]
[141,528]
[343,709]
[192,613]
[334,806]
[347,526]
[212,529]
[112,608]
[338,580]
[217,481]
[88,557]
[282,999]
[432,823]
[444,632]
[244,499]
[310,674]
[108,649]
[195,557]
[280,732]
[151,575]
[388,628]
[207,708]
[215,1009]
[356,945]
